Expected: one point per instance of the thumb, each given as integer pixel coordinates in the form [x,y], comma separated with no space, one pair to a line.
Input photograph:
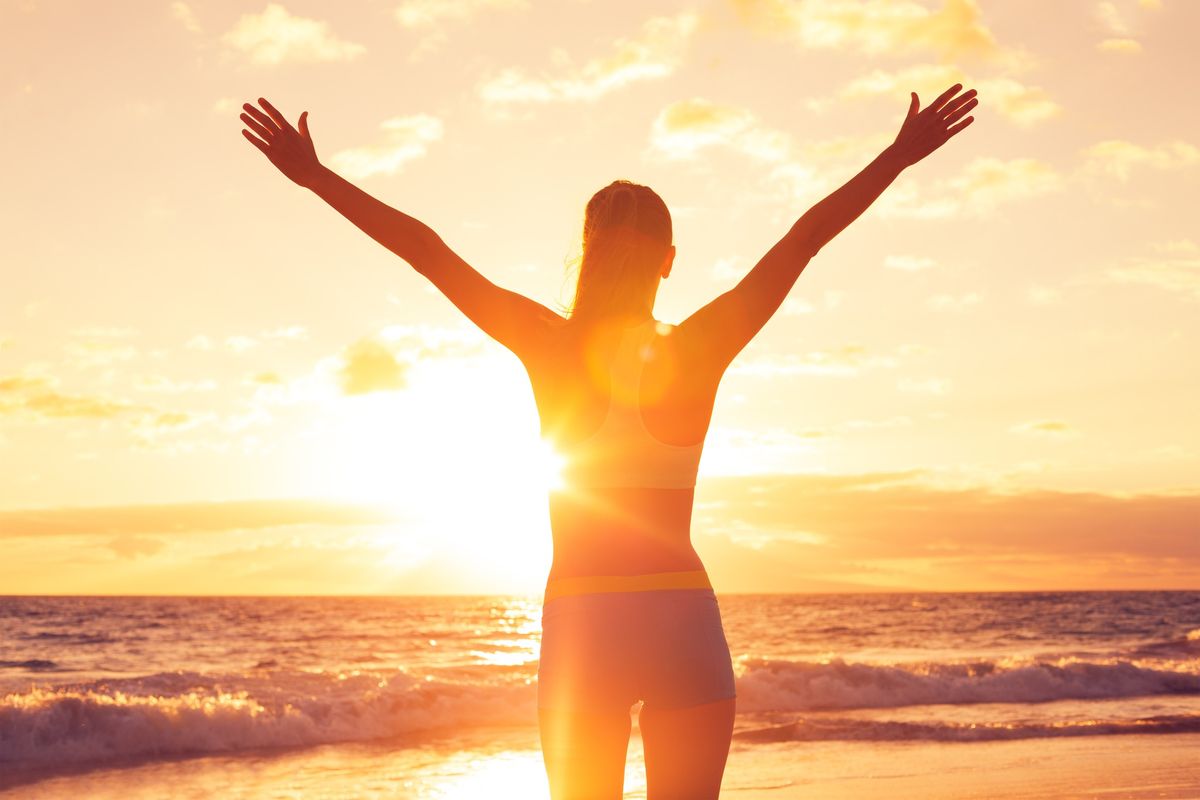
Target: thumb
[913,106]
[304,126]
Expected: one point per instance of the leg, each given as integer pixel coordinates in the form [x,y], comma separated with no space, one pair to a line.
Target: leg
[686,749]
[585,752]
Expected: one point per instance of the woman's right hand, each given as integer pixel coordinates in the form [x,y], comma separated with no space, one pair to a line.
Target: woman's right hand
[928,129]
[291,151]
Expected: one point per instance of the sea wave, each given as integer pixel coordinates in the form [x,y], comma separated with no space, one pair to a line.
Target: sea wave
[824,729]
[193,713]
[184,713]
[781,685]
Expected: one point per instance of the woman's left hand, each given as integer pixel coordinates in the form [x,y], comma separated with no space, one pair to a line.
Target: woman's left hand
[290,150]
[928,129]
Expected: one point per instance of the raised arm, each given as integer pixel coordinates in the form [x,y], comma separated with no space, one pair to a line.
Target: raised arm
[512,319]
[722,328]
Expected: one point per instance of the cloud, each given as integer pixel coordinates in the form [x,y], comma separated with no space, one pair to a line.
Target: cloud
[36,397]
[655,52]
[1111,18]
[1023,105]
[405,139]
[684,128]
[66,406]
[135,546]
[982,186]
[183,13]
[870,523]
[1175,267]
[165,385]
[1118,158]
[877,27]
[275,37]
[1045,428]
[98,353]
[1126,46]
[268,378]
[1120,38]
[425,13]
[185,518]
[369,366]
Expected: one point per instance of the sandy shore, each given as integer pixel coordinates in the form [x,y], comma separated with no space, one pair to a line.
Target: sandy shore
[507,763]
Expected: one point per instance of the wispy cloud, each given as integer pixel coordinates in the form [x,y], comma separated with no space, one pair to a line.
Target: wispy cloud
[1119,158]
[970,537]
[982,186]
[1046,428]
[1123,46]
[655,52]
[182,518]
[1021,104]
[1120,32]
[165,385]
[370,366]
[953,31]
[1175,267]
[405,139]
[685,128]
[275,36]
[183,13]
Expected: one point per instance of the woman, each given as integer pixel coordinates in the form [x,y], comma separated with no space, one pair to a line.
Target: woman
[629,613]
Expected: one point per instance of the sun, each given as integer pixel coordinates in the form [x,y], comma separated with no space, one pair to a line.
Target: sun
[456,454]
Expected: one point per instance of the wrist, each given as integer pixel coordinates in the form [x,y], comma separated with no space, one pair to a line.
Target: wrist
[893,159]
[319,178]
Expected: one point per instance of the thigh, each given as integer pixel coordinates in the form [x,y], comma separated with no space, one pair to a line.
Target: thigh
[584,752]
[686,749]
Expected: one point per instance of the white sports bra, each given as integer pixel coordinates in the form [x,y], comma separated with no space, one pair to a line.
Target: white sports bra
[622,452]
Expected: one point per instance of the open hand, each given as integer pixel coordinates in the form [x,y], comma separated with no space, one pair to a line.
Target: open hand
[290,150]
[928,129]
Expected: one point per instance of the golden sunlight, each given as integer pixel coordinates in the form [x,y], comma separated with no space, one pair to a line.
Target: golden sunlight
[467,470]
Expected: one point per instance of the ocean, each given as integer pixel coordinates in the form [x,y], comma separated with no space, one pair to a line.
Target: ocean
[428,696]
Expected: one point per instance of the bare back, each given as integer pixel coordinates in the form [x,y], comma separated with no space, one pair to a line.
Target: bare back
[621,530]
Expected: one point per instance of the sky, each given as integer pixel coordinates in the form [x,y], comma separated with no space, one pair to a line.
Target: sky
[211,383]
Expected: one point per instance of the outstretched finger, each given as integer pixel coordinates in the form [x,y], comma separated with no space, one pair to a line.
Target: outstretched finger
[953,129]
[253,125]
[256,142]
[960,111]
[262,118]
[936,105]
[957,103]
[280,120]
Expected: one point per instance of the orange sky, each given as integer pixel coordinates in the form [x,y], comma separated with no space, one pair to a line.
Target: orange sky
[212,383]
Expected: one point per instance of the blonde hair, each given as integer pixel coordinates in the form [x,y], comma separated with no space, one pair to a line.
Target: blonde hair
[626,234]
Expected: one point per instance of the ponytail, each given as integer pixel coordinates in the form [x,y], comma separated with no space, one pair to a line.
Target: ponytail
[626,233]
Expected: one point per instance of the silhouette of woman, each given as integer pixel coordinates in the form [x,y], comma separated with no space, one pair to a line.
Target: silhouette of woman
[629,613]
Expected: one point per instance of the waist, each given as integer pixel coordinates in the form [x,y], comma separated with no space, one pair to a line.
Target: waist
[654,581]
